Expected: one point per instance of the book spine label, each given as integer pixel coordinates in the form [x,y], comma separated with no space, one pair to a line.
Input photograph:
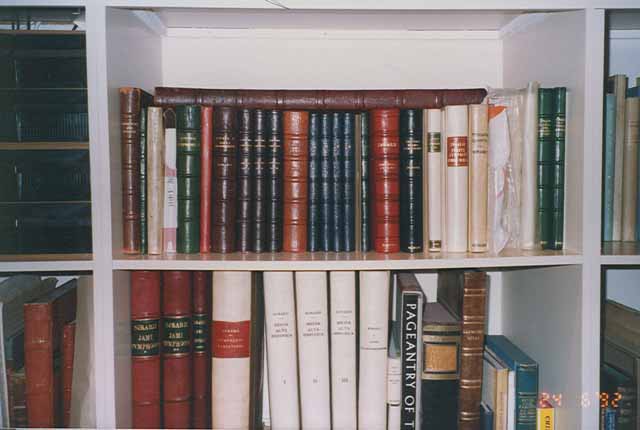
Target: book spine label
[349,169]
[230,349]
[155,180]
[374,321]
[68,346]
[245,182]
[559,138]
[295,181]
[478,181]
[145,349]
[313,349]
[411,180]
[385,170]
[274,181]
[170,216]
[224,172]
[609,163]
[326,180]
[176,349]
[546,166]
[337,181]
[630,166]
[619,84]
[411,308]
[434,175]
[206,178]
[457,178]
[189,144]
[281,338]
[313,215]
[259,174]
[343,350]
[528,212]
[143,181]
[200,336]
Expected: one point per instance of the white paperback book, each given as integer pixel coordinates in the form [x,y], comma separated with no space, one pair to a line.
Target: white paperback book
[170,220]
[394,366]
[529,207]
[434,179]
[457,188]
[343,350]
[443,179]
[281,339]
[313,349]
[231,357]
[374,320]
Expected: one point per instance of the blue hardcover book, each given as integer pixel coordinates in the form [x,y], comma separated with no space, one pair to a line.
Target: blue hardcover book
[633,92]
[486,417]
[609,165]
[526,376]
[610,416]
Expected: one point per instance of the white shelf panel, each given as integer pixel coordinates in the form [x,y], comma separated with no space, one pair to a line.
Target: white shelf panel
[620,253]
[46,263]
[343,261]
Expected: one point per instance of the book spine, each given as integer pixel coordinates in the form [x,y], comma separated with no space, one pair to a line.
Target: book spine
[411,328]
[206,160]
[245,181]
[457,188]
[385,170]
[155,180]
[434,178]
[609,163]
[619,84]
[337,181]
[374,320]
[259,174]
[349,170]
[176,348]
[274,181]
[545,418]
[17,383]
[313,215]
[224,173]
[130,104]
[559,119]
[394,380]
[365,192]
[326,178]
[610,418]
[313,349]
[546,167]
[342,293]
[630,168]
[143,181]
[145,349]
[443,179]
[231,349]
[411,180]
[474,301]
[478,177]
[281,338]
[258,357]
[170,207]
[38,362]
[200,321]
[486,418]
[295,180]
[526,396]
[189,147]
[68,347]
[528,213]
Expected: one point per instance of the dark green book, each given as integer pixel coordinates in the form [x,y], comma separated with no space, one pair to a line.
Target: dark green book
[545,165]
[188,171]
[559,133]
[365,233]
[143,180]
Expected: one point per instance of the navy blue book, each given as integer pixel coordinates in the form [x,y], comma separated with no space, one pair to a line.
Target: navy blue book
[526,375]
[313,220]
[326,232]
[349,184]
[486,417]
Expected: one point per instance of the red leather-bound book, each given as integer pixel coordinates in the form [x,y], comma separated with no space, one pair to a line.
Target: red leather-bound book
[206,157]
[295,179]
[385,172]
[44,319]
[201,350]
[145,349]
[68,348]
[176,349]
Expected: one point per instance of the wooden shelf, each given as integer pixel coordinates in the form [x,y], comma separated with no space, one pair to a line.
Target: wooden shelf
[43,146]
[620,253]
[46,262]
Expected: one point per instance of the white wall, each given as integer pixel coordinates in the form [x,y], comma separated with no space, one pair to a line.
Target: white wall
[624,54]
[623,286]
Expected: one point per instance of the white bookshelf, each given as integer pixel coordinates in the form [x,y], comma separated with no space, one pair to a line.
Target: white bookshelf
[548,302]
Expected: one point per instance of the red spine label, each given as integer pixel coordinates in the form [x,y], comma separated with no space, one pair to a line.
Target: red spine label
[457,151]
[231,339]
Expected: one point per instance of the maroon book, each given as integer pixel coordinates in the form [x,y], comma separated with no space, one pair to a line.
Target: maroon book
[206,156]
[68,349]
[295,180]
[201,350]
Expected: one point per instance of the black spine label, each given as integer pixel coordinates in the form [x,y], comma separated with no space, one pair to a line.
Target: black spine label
[176,335]
[410,372]
[200,325]
[145,337]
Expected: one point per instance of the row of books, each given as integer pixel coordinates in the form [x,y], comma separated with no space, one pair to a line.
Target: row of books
[288,350]
[621,220]
[39,363]
[198,178]
[620,372]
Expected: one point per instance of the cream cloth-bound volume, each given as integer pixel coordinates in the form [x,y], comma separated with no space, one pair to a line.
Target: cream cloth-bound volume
[155,179]
[457,189]
[443,180]
[529,207]
[433,154]
[478,171]
[230,375]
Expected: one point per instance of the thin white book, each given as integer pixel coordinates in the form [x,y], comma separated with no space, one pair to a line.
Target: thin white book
[342,307]
[170,220]
[374,320]
[266,419]
[281,339]
[457,188]
[443,179]
[433,177]
[313,349]
[394,367]
[231,350]
[528,186]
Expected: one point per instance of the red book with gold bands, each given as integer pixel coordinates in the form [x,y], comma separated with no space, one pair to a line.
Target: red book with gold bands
[206,157]
[145,349]
[201,350]
[176,348]
[68,347]
[385,170]
[295,179]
